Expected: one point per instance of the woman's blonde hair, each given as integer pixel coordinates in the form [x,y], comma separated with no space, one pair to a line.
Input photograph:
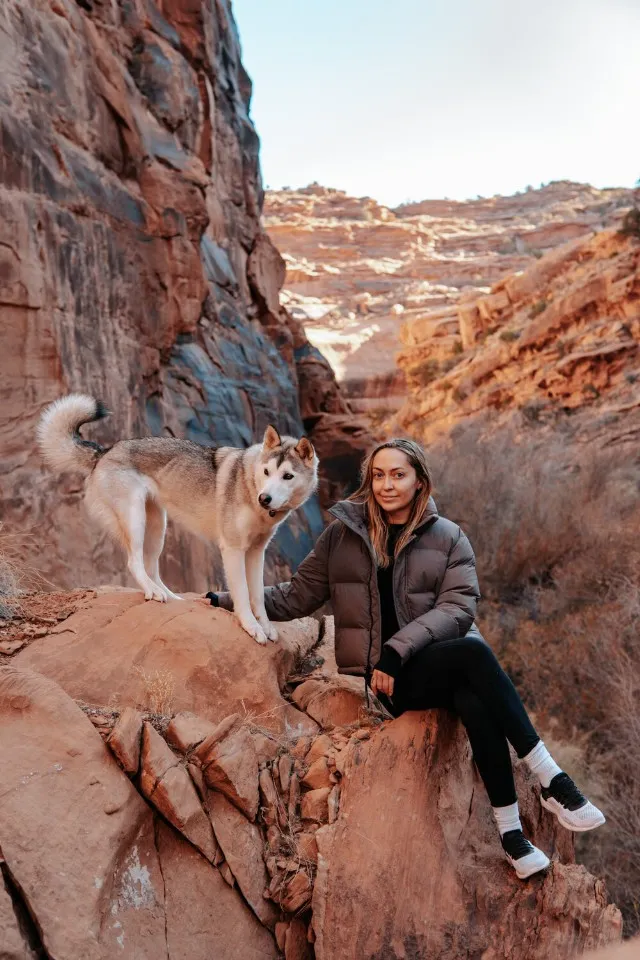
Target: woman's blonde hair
[376,522]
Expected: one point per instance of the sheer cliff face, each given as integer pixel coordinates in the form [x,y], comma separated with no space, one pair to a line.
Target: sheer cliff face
[132,262]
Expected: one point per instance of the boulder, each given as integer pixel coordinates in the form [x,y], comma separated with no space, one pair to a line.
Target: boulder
[242,845]
[206,917]
[167,785]
[125,739]
[231,766]
[180,656]
[415,822]
[77,838]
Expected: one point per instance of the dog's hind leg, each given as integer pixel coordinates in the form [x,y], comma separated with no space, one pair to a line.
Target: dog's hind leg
[131,510]
[154,533]
[255,580]
[236,574]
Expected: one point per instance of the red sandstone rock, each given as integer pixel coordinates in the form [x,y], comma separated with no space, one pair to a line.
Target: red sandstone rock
[313,805]
[76,836]
[168,786]
[241,842]
[317,775]
[231,767]
[563,334]
[296,945]
[451,895]
[186,731]
[206,918]
[208,665]
[125,739]
[331,703]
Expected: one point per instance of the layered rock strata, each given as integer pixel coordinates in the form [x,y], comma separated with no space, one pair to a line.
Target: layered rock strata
[356,270]
[558,339]
[133,265]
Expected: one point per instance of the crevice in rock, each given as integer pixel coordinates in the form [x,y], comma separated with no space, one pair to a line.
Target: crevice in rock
[27,923]
[164,884]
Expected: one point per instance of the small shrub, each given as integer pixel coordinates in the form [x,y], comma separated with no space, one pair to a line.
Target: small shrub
[509,335]
[538,308]
[424,373]
[631,224]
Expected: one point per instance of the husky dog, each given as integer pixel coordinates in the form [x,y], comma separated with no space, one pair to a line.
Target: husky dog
[235,497]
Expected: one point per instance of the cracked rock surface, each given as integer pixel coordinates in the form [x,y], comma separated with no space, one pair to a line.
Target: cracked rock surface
[368,837]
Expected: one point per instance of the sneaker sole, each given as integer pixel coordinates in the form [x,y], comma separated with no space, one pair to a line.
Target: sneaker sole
[565,823]
[524,875]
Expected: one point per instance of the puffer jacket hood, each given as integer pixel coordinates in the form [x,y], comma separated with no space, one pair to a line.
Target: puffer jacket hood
[435,588]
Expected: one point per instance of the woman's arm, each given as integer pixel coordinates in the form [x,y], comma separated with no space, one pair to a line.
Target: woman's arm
[454,610]
[307,590]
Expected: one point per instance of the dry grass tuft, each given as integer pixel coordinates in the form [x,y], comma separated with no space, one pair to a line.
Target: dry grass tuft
[16,575]
[159,690]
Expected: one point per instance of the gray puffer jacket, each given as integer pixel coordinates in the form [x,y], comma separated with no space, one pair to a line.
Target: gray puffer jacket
[434,578]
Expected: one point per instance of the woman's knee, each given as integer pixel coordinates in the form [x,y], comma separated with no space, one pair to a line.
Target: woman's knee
[477,649]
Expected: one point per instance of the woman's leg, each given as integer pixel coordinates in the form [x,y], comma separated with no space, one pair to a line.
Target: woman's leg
[471,662]
[474,663]
[490,753]
[489,746]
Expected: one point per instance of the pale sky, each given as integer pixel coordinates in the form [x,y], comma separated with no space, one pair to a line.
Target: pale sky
[418,99]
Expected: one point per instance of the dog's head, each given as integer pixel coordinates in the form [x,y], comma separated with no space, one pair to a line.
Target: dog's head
[286,471]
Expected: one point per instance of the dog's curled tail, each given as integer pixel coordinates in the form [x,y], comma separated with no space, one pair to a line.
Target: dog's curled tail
[58,435]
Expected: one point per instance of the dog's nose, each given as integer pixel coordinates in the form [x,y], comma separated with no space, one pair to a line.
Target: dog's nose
[264,499]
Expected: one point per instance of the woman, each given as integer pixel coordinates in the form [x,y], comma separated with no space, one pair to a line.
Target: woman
[404,590]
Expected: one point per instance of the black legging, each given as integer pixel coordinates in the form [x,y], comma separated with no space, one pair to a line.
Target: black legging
[465,676]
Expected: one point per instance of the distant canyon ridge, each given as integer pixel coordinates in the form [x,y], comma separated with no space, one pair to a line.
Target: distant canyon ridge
[396,298]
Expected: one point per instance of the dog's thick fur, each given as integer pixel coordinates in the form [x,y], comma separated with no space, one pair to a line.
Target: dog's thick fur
[235,497]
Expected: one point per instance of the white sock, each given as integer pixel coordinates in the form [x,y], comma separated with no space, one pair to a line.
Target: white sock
[540,762]
[507,818]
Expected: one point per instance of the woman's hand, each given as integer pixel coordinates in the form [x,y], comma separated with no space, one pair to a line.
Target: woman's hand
[382,683]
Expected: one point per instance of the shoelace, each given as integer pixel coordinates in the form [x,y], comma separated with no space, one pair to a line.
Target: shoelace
[563,789]
[516,844]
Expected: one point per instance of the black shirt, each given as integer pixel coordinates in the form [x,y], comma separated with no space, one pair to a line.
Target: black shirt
[390,661]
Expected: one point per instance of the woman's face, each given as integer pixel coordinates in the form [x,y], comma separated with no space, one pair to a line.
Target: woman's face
[395,483]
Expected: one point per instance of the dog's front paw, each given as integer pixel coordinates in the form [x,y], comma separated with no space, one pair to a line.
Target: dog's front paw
[269,629]
[254,630]
[154,592]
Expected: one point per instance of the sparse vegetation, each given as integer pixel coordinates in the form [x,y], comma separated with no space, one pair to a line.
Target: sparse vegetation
[557,542]
[159,690]
[631,222]
[16,575]
[539,307]
[509,335]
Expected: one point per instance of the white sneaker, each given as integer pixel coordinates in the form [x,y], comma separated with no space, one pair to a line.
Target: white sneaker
[572,809]
[522,855]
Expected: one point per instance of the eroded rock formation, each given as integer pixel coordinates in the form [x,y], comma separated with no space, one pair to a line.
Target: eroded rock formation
[356,270]
[558,338]
[132,262]
[281,816]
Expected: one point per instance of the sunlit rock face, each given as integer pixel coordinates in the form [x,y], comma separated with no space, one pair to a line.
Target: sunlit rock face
[358,273]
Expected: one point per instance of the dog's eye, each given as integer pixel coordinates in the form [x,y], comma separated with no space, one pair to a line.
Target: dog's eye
[288,476]
[266,472]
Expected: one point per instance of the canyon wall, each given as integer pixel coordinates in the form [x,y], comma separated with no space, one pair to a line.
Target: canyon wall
[133,265]
[358,272]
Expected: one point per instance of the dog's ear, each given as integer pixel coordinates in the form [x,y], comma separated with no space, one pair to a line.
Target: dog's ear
[304,449]
[271,438]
